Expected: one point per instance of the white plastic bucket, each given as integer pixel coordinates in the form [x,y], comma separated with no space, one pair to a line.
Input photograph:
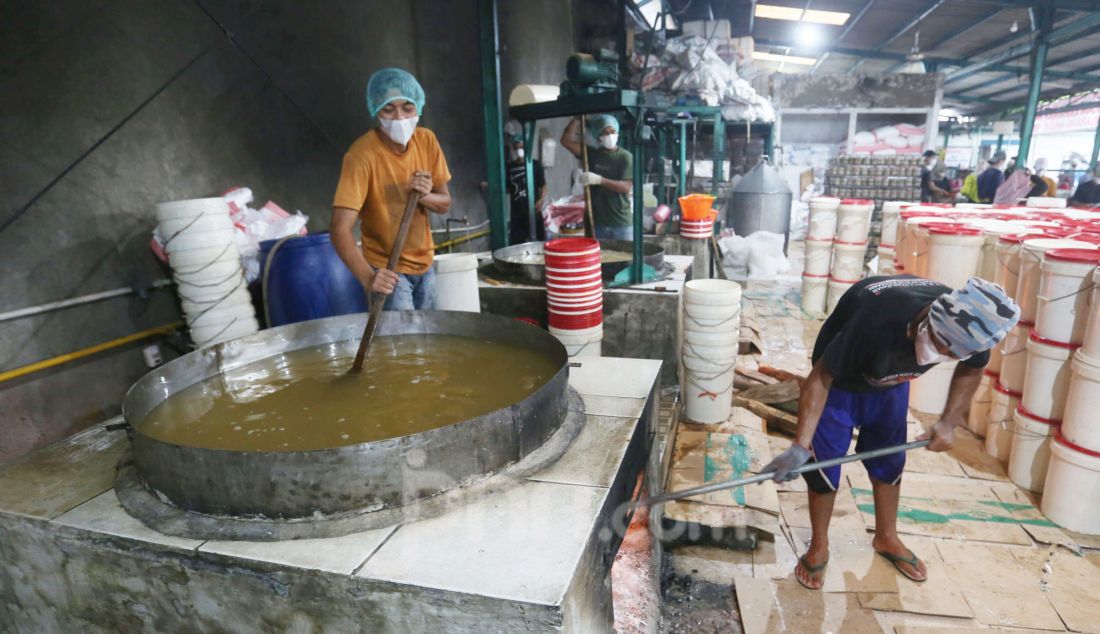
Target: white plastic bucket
[709,350]
[906,241]
[1072,488]
[219,315]
[1048,376]
[886,255]
[189,240]
[214,272]
[819,256]
[712,292]
[1013,366]
[848,260]
[708,365]
[586,342]
[209,287]
[978,418]
[1008,264]
[730,337]
[1091,345]
[1031,256]
[191,208]
[1030,452]
[456,282]
[815,289]
[1081,420]
[998,434]
[697,229]
[891,213]
[928,392]
[708,398]
[1065,290]
[205,222]
[238,296]
[853,220]
[823,218]
[922,244]
[195,260]
[954,255]
[837,288]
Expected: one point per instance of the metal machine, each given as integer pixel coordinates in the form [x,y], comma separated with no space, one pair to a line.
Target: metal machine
[587,74]
[761,202]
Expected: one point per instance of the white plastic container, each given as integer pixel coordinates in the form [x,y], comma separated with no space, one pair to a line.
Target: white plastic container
[891,214]
[1065,290]
[815,289]
[201,288]
[729,337]
[854,220]
[836,290]
[1008,262]
[1072,487]
[905,244]
[216,333]
[191,208]
[586,342]
[1048,376]
[848,260]
[205,222]
[819,256]
[886,255]
[1030,452]
[1081,420]
[978,418]
[922,244]
[456,282]
[196,260]
[954,253]
[1013,366]
[239,296]
[928,392]
[219,315]
[1091,346]
[708,396]
[189,240]
[823,218]
[712,292]
[993,230]
[1031,256]
[998,435]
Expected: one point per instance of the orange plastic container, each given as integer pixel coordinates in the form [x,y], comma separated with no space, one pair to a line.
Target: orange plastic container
[697,207]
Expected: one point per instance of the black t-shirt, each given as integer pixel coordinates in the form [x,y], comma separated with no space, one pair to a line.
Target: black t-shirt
[865,342]
[516,183]
[925,189]
[1088,193]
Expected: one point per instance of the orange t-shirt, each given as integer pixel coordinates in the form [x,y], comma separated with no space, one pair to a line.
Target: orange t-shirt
[375,180]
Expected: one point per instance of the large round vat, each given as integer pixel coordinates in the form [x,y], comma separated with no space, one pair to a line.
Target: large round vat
[370,476]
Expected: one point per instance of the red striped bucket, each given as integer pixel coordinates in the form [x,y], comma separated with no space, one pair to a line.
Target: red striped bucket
[697,229]
[574,283]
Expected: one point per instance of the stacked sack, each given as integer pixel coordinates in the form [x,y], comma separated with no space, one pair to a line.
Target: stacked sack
[711,326]
[206,266]
[574,294]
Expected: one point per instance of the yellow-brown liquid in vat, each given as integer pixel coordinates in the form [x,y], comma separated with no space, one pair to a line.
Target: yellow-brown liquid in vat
[305,399]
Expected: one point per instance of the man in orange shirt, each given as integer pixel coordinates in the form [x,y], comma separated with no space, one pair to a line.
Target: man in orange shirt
[380,170]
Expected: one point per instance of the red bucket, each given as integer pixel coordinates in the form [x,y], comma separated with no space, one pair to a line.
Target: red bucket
[572,253]
[575,322]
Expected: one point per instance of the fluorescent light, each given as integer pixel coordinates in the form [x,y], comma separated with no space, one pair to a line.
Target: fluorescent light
[809,35]
[789,59]
[794,14]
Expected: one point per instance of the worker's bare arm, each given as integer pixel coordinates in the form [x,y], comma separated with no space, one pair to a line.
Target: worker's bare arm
[964,383]
[811,403]
[435,197]
[343,240]
[571,138]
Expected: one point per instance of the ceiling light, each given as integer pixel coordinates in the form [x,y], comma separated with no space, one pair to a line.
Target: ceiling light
[1015,26]
[809,35]
[795,14]
[789,59]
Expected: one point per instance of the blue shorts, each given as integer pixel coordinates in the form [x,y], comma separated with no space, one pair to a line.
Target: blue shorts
[881,417]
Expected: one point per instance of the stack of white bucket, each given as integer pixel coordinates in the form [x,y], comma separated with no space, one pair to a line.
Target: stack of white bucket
[711,322]
[1070,306]
[206,265]
[849,248]
[819,254]
[888,238]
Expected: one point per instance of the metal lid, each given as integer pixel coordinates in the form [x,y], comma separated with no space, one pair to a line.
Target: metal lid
[762,179]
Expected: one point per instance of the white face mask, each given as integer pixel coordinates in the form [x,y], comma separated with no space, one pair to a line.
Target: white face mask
[519,153]
[609,141]
[400,131]
[927,353]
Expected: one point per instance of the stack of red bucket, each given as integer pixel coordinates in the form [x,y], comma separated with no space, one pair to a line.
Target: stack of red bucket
[697,216]
[574,293]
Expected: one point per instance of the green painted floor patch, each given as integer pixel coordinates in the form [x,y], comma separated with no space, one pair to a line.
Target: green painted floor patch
[1008,506]
[737,449]
[923,516]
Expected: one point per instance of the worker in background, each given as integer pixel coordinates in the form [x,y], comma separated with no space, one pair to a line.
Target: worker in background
[926,192]
[1041,173]
[1038,185]
[970,183]
[992,178]
[1088,192]
[518,228]
[885,332]
[380,171]
[940,185]
[610,175]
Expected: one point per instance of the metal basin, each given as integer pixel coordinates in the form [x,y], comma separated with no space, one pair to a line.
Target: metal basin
[371,476]
[515,261]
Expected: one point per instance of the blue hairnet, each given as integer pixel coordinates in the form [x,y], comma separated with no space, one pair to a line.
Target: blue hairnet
[393,83]
[597,123]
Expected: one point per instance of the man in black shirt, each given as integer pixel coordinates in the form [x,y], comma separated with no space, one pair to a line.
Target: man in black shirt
[1088,191]
[885,332]
[926,192]
[516,183]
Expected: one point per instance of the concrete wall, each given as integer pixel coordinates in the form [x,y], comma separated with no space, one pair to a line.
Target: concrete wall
[113,105]
[891,90]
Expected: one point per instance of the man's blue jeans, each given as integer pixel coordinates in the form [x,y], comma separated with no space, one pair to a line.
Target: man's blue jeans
[413,292]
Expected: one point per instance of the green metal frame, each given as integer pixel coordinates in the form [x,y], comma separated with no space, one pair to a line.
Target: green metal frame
[499,204]
[1035,85]
[529,173]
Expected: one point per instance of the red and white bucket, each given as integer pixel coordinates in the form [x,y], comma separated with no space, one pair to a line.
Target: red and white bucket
[998,435]
[1030,453]
[574,286]
[1072,487]
[1083,403]
[697,229]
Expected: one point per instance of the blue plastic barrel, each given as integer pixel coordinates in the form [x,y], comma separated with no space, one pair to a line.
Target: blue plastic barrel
[307,281]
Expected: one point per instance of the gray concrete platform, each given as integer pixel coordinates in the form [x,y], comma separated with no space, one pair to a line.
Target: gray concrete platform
[534,558]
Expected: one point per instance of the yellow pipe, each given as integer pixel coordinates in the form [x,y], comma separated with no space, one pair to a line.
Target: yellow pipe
[86,352]
[465,238]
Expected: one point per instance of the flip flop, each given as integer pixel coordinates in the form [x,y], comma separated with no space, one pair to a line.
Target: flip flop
[912,560]
[812,570]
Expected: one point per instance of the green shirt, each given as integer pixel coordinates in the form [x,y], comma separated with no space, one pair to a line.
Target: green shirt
[611,209]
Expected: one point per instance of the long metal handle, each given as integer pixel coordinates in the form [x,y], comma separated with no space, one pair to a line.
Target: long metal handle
[763,477]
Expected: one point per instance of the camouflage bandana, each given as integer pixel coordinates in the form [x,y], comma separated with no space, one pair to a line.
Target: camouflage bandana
[974,318]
